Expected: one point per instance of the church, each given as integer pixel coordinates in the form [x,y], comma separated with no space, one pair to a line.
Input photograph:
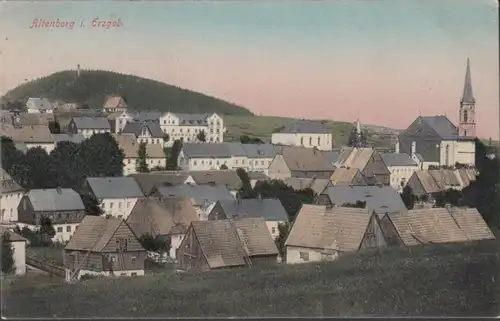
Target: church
[435,140]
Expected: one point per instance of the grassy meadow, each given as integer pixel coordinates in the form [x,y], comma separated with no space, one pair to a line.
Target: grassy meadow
[439,280]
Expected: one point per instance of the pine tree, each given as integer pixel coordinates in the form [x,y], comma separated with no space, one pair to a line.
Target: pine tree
[284,230]
[142,165]
[201,137]
[7,255]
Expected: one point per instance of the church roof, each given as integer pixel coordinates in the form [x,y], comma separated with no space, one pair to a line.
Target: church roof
[442,126]
[468,96]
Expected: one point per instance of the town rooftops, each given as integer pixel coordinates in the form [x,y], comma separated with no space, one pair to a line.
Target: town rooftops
[27,134]
[354,157]
[347,176]
[147,181]
[114,187]
[227,150]
[129,145]
[443,127]
[39,103]
[201,194]
[87,122]
[137,128]
[226,177]
[305,159]
[398,159]
[192,119]
[114,101]
[303,126]
[267,208]
[68,137]
[9,185]
[300,183]
[55,199]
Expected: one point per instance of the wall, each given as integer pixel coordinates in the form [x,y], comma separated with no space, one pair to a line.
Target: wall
[272,226]
[293,255]
[63,231]
[306,140]
[189,255]
[87,133]
[19,249]
[37,111]
[462,152]
[48,147]
[129,164]
[9,203]
[401,173]
[279,169]
[118,207]
[175,243]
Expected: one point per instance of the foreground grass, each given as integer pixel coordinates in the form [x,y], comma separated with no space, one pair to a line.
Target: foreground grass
[263,126]
[455,280]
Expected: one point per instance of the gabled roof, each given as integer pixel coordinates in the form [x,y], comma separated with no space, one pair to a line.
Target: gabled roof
[54,199]
[467,176]
[162,217]
[201,194]
[332,155]
[427,181]
[128,143]
[445,129]
[346,176]
[468,95]
[337,228]
[9,185]
[226,243]
[13,237]
[68,137]
[94,233]
[259,150]
[299,183]
[398,159]
[305,159]
[226,177]
[27,134]
[147,181]
[304,126]
[136,128]
[269,209]
[258,176]
[87,122]
[39,103]
[192,119]
[381,199]
[444,178]
[146,116]
[471,223]
[228,149]
[114,101]
[114,187]
[354,157]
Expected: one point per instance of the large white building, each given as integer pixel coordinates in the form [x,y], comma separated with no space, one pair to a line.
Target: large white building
[304,133]
[39,106]
[130,147]
[10,197]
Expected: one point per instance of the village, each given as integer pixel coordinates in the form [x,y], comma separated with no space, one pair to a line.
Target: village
[211,204]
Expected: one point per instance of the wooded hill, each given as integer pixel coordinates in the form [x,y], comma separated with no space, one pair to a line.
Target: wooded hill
[92,86]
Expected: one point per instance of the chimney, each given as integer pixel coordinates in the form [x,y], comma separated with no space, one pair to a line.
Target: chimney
[59,190]
[413,148]
[397,147]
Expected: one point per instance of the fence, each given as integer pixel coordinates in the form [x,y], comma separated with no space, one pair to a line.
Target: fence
[47,267]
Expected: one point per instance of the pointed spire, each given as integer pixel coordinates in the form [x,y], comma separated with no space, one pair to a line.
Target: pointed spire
[468,96]
[358,127]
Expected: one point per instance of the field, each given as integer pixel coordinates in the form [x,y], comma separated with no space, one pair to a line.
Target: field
[263,126]
[451,280]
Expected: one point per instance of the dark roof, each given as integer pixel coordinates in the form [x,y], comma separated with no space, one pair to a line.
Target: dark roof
[397,159]
[147,181]
[305,126]
[468,95]
[114,187]
[332,155]
[228,149]
[137,127]
[201,194]
[442,126]
[269,209]
[54,199]
[86,122]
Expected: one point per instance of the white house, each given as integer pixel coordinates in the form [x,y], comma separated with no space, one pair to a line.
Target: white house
[251,157]
[18,244]
[129,145]
[39,106]
[88,126]
[30,136]
[10,197]
[116,195]
[114,104]
[148,132]
[305,133]
[122,118]
[401,166]
[188,126]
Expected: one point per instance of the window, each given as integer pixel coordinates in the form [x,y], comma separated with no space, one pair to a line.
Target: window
[273,230]
[304,256]
[319,140]
[59,229]
[119,205]
[133,274]
[111,205]
[310,141]
[68,228]
[447,155]
[133,259]
[302,141]
[466,116]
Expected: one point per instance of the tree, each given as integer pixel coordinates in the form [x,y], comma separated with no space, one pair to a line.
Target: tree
[47,231]
[201,136]
[166,138]
[408,197]
[357,141]
[142,165]
[7,254]
[54,127]
[245,139]
[92,206]
[223,166]
[246,187]
[284,230]
[154,244]
[102,155]
[174,154]
[449,197]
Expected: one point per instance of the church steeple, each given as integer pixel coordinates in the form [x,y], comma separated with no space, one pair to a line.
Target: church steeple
[467,113]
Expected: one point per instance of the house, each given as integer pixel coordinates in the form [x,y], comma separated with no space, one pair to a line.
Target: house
[322,233]
[188,126]
[118,120]
[130,147]
[10,197]
[18,245]
[116,195]
[368,161]
[88,126]
[27,137]
[63,206]
[423,185]
[257,177]
[379,199]
[68,137]
[318,185]
[147,181]
[301,162]
[348,176]
[466,176]
[39,106]
[435,225]
[114,104]
[168,218]
[227,177]
[203,196]
[401,166]
[148,132]
[305,133]
[250,157]
[103,245]
[428,183]
[271,210]
[217,244]
[24,119]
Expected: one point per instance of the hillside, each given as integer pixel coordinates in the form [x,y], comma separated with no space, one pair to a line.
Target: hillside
[92,87]
[441,280]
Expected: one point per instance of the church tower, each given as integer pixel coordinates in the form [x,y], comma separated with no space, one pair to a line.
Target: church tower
[467,117]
